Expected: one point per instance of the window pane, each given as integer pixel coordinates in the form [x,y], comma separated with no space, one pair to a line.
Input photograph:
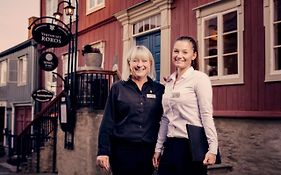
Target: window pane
[230,43]
[92,3]
[146,25]
[152,22]
[211,46]
[100,2]
[277,65]
[230,22]
[277,10]
[277,34]
[211,66]
[230,65]
[211,27]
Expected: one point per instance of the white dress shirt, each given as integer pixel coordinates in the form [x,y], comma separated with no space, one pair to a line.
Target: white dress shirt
[188,101]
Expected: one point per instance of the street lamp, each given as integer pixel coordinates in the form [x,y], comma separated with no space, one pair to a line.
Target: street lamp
[69,9]
[70,81]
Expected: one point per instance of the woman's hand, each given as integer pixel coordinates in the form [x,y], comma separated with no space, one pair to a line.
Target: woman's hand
[155,159]
[210,159]
[103,162]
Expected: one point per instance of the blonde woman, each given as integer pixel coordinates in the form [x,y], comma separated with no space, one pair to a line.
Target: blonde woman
[130,124]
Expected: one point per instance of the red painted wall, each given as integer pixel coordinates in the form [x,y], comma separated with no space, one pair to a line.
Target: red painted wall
[253,98]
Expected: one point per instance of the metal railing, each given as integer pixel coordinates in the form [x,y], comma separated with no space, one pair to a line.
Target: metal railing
[93,87]
[41,130]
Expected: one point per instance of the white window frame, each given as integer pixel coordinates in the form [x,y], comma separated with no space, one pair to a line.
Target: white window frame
[101,46]
[219,8]
[270,73]
[96,6]
[22,70]
[3,72]
[65,63]
[156,18]
[51,7]
[50,81]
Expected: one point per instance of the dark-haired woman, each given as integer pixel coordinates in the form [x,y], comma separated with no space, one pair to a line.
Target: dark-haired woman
[187,100]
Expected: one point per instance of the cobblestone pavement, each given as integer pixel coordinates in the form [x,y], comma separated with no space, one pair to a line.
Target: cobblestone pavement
[7,169]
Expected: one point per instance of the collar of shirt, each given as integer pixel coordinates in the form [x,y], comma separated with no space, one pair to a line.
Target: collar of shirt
[131,83]
[186,74]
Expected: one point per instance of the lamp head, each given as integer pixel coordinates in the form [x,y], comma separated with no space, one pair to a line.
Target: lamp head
[69,10]
[57,15]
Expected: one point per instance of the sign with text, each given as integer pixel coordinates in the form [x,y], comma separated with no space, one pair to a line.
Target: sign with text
[42,95]
[48,61]
[51,35]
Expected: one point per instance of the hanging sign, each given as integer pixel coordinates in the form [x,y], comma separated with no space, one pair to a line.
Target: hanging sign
[48,61]
[51,35]
[42,95]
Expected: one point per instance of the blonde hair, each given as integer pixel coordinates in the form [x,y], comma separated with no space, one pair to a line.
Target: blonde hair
[139,52]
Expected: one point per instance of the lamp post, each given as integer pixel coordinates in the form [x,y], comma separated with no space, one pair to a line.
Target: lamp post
[72,46]
[70,87]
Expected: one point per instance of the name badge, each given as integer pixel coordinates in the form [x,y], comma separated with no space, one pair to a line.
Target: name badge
[150,96]
[175,94]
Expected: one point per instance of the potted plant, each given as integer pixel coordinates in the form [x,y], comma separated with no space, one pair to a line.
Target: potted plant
[93,57]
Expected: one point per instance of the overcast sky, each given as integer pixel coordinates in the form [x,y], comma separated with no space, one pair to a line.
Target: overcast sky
[14,16]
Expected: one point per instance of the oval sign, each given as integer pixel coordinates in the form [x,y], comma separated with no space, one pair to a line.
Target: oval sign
[51,35]
[42,95]
[48,61]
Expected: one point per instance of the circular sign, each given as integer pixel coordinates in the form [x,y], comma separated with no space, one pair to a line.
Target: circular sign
[42,95]
[48,61]
[51,35]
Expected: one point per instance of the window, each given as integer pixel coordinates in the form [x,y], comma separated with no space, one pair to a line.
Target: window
[272,11]
[22,70]
[220,39]
[13,70]
[3,73]
[94,5]
[101,46]
[51,7]
[148,24]
[51,81]
[65,64]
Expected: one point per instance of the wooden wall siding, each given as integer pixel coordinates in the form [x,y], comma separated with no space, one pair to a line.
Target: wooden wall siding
[111,7]
[111,35]
[254,94]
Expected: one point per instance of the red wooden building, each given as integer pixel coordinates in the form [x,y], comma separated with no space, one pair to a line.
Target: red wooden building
[239,45]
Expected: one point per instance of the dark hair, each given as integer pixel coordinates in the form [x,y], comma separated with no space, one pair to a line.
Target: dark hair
[194,62]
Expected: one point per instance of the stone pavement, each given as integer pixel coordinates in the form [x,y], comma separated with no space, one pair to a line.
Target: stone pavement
[7,169]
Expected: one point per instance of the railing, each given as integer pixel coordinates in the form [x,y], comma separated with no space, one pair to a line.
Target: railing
[93,86]
[37,133]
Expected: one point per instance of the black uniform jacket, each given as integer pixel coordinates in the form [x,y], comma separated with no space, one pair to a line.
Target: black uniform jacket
[131,114]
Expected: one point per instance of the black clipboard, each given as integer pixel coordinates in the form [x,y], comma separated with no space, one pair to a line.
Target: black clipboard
[198,143]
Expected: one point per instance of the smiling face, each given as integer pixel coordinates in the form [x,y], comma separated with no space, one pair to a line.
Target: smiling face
[183,54]
[140,64]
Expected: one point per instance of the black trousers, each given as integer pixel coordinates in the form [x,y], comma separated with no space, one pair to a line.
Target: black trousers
[176,159]
[130,158]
